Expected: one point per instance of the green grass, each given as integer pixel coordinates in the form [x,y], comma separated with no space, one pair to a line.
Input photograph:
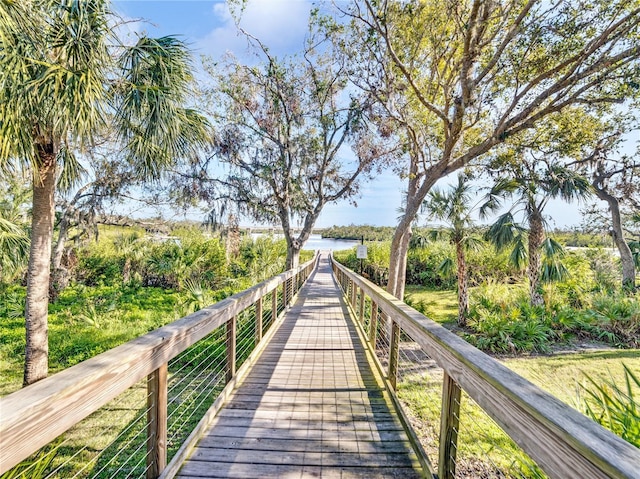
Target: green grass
[85,322]
[483,446]
[438,305]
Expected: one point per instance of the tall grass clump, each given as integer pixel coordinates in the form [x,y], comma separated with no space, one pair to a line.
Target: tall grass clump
[614,404]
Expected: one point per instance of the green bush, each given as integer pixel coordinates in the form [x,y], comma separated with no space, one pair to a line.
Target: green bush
[503,321]
[424,265]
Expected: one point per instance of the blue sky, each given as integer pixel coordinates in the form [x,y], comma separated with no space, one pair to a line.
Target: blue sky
[208,27]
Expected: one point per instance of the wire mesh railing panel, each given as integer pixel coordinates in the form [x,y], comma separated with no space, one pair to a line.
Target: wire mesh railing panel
[280,304]
[485,450]
[196,378]
[480,448]
[246,335]
[383,339]
[268,315]
[104,444]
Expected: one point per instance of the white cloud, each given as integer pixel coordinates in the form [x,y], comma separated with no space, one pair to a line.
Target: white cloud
[280,24]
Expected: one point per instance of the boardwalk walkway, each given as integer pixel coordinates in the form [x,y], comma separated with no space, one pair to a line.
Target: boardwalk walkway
[311,407]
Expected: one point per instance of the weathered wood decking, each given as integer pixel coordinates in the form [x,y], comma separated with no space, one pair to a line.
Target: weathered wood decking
[311,407]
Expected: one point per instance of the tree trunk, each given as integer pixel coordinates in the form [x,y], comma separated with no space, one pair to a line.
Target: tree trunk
[536,238]
[126,271]
[626,257]
[293,254]
[58,251]
[37,348]
[59,275]
[463,284]
[416,193]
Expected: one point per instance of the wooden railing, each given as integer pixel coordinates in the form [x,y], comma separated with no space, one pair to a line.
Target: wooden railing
[562,442]
[36,415]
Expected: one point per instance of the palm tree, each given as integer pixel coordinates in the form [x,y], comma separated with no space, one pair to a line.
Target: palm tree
[60,84]
[133,249]
[533,188]
[454,208]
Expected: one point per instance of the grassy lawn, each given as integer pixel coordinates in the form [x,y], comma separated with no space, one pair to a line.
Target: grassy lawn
[441,306]
[85,322]
[484,449]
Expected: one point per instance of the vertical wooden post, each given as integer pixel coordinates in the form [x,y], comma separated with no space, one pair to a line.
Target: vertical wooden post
[231,347]
[394,344]
[361,308]
[354,294]
[373,325]
[274,304]
[258,320]
[157,422]
[284,294]
[449,422]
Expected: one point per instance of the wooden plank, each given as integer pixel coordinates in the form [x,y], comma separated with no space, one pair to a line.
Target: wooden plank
[244,471]
[326,423]
[319,445]
[302,458]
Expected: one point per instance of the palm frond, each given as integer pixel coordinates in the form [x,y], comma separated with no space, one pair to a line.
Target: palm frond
[551,248]
[519,255]
[502,189]
[567,184]
[152,121]
[446,267]
[72,172]
[503,231]
[473,243]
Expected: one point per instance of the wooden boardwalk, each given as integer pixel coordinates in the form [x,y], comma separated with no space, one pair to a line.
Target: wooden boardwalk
[311,406]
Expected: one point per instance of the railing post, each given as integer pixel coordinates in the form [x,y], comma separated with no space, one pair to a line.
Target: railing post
[231,347]
[373,325]
[361,308]
[449,422]
[393,354]
[274,304]
[258,320]
[354,294]
[284,294]
[157,422]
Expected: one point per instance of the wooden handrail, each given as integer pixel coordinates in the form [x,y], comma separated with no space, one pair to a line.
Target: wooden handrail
[37,414]
[563,442]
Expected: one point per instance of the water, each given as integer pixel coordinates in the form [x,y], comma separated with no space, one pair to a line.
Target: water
[317,242]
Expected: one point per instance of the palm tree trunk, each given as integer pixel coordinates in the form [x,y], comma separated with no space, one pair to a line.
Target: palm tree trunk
[463,284]
[536,238]
[37,348]
[626,257]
